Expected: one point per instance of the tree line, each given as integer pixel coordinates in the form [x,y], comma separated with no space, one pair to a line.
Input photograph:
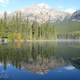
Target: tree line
[18,27]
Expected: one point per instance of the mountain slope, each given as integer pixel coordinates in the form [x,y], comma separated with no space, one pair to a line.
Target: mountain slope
[76,16]
[42,12]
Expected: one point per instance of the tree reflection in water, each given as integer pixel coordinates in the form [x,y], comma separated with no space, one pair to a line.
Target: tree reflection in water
[36,57]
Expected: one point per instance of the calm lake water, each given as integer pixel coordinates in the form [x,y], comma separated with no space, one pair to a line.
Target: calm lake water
[40,61]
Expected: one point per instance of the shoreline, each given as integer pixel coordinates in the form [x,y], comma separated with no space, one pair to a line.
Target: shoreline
[56,40]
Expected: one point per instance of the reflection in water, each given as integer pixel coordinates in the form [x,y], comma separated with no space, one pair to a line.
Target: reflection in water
[36,57]
[40,57]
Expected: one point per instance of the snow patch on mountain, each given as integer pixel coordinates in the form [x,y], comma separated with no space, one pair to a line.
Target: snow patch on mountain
[43,12]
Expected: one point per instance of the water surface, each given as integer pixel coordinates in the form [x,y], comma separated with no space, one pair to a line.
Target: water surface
[40,61]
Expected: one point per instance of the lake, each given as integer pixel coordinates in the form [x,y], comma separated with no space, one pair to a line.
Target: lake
[40,60]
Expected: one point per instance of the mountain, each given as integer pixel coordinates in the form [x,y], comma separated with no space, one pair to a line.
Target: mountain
[76,16]
[42,12]
[70,23]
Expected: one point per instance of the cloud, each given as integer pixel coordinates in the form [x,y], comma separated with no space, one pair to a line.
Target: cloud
[69,67]
[3,3]
[70,10]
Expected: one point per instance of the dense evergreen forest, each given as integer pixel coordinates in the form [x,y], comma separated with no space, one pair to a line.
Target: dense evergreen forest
[17,27]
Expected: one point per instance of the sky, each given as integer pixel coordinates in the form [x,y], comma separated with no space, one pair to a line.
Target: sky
[65,5]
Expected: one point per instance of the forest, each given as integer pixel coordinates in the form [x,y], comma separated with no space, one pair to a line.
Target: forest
[16,27]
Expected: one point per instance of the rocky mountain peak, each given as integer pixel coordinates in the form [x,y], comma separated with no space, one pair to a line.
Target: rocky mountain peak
[43,12]
[76,16]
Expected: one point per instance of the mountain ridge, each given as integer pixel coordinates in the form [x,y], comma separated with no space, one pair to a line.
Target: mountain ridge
[42,13]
